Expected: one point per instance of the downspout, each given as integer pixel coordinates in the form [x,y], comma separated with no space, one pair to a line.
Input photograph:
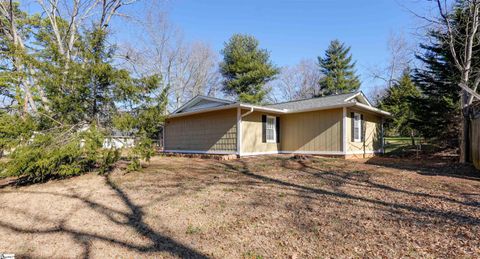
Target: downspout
[248,113]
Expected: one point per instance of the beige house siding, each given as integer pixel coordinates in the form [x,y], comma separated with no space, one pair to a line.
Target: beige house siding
[207,132]
[373,139]
[252,134]
[317,131]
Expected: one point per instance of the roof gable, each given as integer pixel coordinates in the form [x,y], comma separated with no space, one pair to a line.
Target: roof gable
[200,102]
[359,97]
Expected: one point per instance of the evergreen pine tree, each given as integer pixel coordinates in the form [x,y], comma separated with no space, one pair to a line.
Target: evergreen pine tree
[398,101]
[85,95]
[338,70]
[246,69]
[437,109]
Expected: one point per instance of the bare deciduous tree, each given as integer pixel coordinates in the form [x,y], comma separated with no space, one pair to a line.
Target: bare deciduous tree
[188,69]
[400,58]
[298,82]
[75,13]
[462,42]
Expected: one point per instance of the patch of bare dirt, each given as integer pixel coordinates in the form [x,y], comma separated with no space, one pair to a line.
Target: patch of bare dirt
[271,206]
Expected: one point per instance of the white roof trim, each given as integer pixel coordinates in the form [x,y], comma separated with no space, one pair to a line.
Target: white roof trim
[372,109]
[284,111]
[261,108]
[362,96]
[198,98]
[224,107]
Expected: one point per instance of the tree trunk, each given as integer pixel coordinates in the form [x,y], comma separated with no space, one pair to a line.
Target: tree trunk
[463,129]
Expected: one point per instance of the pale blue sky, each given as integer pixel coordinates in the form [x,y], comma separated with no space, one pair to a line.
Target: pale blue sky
[294,30]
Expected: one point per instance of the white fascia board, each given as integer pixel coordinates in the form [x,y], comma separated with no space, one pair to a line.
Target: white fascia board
[185,105]
[200,97]
[366,99]
[372,109]
[284,111]
[262,109]
[362,96]
[230,106]
[351,97]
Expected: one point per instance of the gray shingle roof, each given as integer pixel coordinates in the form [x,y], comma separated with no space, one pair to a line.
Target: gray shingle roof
[313,102]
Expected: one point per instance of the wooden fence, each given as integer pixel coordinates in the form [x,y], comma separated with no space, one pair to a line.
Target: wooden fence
[474,144]
[473,137]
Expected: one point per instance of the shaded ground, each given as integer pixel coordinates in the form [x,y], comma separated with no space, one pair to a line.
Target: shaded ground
[271,206]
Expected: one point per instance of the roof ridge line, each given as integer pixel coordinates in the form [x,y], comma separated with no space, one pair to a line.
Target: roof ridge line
[304,99]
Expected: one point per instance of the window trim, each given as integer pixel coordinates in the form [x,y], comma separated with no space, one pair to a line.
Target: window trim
[274,127]
[359,126]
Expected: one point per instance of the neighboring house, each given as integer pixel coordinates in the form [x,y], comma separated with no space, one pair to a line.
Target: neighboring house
[116,142]
[345,125]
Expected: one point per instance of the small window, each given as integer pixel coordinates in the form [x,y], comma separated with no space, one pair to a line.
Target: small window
[357,127]
[271,134]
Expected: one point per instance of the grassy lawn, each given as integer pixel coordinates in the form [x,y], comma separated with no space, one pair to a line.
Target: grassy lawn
[403,145]
[270,206]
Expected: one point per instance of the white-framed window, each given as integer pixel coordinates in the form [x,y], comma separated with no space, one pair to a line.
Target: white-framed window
[357,127]
[271,129]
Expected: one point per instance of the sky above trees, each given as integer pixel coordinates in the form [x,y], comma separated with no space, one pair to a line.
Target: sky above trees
[291,30]
[296,30]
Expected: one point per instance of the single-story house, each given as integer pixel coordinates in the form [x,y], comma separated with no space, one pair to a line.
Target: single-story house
[344,125]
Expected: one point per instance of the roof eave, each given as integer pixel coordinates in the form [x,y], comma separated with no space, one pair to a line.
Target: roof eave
[194,99]
[224,107]
[284,111]
[261,108]
[362,95]
[373,109]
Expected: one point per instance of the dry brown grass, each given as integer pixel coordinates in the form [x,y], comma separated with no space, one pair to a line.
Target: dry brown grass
[275,206]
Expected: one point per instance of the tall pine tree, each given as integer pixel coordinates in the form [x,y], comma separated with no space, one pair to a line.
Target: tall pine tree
[338,69]
[246,69]
[438,109]
[85,95]
[398,101]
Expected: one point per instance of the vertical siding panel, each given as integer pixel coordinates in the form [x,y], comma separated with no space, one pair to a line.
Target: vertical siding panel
[210,131]
[312,131]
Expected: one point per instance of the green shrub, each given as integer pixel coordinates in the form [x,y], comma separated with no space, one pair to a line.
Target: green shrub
[60,154]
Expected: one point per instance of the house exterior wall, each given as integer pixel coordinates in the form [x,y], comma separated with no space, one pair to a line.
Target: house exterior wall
[210,132]
[372,139]
[316,132]
[312,132]
[252,135]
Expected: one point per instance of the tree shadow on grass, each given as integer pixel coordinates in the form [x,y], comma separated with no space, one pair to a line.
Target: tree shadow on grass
[134,220]
[454,216]
[362,179]
[429,167]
